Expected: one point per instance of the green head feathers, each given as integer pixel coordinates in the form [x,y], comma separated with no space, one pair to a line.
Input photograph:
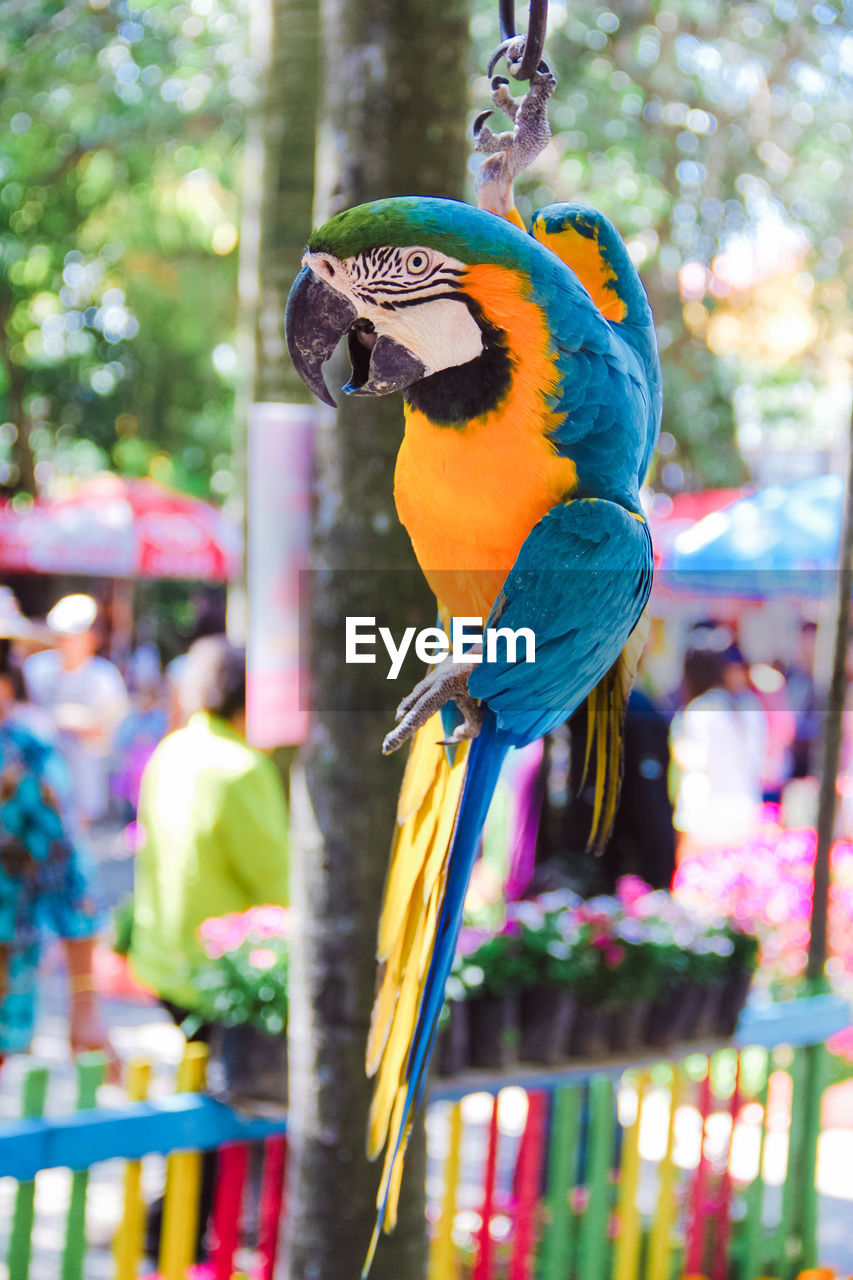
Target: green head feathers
[457,229]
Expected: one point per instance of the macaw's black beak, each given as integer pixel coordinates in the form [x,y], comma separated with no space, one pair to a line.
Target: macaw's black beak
[317,318]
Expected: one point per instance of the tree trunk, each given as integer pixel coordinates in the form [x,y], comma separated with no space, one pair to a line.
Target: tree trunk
[393,123]
[281,158]
[833,732]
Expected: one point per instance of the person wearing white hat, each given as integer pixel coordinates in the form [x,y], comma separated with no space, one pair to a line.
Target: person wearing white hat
[85,695]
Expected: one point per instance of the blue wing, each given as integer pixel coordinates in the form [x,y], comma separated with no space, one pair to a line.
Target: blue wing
[580,583]
[606,351]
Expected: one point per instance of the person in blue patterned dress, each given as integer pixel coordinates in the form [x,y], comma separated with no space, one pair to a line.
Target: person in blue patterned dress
[46,879]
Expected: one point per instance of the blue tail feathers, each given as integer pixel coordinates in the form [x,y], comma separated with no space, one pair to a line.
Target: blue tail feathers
[484,765]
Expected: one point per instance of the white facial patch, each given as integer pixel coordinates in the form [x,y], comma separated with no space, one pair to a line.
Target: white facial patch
[441,332]
[408,295]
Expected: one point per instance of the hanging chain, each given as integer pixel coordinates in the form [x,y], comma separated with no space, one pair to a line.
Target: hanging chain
[523,53]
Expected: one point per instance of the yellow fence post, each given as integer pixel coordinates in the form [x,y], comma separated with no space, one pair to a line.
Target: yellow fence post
[442,1254]
[127,1249]
[183,1181]
[660,1244]
[628,1242]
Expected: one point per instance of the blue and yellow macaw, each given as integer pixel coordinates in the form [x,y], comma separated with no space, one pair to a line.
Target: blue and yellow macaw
[531,385]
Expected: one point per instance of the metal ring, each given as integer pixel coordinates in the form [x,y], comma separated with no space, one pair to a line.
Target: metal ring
[534,41]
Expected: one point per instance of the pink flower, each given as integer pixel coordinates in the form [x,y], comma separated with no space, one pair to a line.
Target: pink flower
[766,886]
[630,889]
[470,939]
[219,934]
[842,1043]
[262,958]
[269,921]
[511,928]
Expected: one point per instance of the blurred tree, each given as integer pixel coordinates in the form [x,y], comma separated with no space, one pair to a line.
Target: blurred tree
[392,123]
[121,127]
[716,138]
[288,134]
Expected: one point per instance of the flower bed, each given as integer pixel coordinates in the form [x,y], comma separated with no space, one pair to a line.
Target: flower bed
[242,993]
[765,885]
[566,979]
[562,979]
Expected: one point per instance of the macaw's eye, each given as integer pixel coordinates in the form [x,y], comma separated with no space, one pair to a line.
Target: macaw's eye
[417,262]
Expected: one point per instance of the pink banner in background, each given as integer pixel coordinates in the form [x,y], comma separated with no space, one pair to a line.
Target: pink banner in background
[281,438]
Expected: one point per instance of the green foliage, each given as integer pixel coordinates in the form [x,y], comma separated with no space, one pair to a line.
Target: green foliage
[246,985]
[242,977]
[121,132]
[498,966]
[702,129]
[745,947]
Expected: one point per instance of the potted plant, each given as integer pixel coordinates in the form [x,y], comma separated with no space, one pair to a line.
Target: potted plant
[491,976]
[742,963]
[617,987]
[242,992]
[696,958]
[670,933]
[553,956]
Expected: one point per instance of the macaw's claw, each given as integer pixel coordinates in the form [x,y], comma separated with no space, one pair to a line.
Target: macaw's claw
[479,122]
[510,153]
[448,682]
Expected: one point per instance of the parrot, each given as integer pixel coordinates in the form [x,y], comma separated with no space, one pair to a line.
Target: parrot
[531,385]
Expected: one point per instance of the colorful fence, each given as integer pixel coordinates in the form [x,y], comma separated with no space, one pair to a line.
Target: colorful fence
[621,1171]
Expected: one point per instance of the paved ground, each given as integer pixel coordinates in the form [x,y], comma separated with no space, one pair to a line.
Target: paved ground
[142,1029]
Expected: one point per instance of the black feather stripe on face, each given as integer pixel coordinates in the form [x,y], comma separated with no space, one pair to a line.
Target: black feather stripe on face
[381,275]
[452,397]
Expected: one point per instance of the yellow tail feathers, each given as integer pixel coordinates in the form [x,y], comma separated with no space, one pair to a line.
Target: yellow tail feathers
[605,715]
[414,889]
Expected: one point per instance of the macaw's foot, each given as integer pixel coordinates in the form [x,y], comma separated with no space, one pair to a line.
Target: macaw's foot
[448,682]
[510,153]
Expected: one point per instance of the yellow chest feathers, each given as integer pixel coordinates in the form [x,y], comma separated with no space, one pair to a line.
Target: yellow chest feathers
[469,495]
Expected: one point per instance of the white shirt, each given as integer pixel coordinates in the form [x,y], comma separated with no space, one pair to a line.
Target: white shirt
[93,695]
[718,744]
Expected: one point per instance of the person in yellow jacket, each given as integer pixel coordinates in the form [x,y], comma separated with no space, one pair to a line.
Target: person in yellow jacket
[213,827]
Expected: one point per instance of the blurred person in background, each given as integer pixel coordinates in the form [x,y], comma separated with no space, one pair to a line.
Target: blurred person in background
[642,841]
[145,724]
[85,696]
[805,703]
[213,826]
[46,877]
[768,682]
[718,746]
[19,638]
[213,840]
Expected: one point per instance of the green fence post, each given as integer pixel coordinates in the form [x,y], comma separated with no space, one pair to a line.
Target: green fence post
[20,1239]
[90,1073]
[787,1246]
[555,1253]
[805,1204]
[593,1241]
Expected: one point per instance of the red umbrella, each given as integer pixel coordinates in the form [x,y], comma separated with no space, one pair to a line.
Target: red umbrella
[121,528]
[668,517]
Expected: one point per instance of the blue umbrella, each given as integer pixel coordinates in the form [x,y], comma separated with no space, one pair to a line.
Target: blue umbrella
[780,541]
